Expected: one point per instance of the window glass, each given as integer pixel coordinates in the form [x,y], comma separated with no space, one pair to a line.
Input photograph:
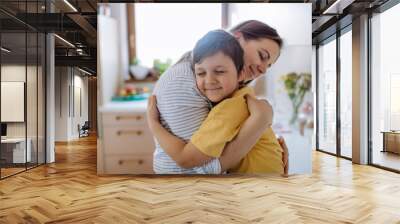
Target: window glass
[385,92]
[327,97]
[167,31]
[346,94]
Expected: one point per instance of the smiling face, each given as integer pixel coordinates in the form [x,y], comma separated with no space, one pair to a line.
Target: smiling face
[216,77]
[259,55]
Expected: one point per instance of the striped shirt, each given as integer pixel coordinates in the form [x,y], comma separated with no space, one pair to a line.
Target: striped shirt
[182,110]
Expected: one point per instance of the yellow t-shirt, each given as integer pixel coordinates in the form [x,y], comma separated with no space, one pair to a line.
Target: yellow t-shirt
[223,124]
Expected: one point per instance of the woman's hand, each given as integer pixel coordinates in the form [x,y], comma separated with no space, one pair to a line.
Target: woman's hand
[285,154]
[261,109]
[153,115]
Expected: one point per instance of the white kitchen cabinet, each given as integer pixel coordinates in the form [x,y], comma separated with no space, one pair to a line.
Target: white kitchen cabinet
[126,143]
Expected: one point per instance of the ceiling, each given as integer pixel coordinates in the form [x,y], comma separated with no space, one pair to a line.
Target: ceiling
[72,20]
[330,15]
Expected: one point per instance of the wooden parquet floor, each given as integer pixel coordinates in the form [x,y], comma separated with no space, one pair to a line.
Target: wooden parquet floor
[10,171]
[69,191]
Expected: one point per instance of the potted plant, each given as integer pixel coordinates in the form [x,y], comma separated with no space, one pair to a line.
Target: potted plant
[160,66]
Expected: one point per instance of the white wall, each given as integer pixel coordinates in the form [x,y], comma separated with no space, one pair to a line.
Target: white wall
[119,12]
[108,58]
[61,103]
[68,83]
[79,117]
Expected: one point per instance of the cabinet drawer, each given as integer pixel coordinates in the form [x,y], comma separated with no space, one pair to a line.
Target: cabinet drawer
[135,164]
[128,140]
[125,119]
[392,142]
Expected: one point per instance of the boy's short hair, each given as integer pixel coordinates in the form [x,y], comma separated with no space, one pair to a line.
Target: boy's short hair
[218,41]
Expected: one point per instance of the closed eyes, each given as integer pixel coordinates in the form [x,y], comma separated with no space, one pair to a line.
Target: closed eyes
[200,73]
[264,55]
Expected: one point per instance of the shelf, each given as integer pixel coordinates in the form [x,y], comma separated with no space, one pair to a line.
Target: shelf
[149,79]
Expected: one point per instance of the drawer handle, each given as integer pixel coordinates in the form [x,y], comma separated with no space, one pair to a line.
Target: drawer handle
[138,133]
[129,117]
[140,161]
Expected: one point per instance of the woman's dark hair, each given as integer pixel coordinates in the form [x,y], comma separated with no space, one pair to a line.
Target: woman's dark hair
[218,41]
[253,30]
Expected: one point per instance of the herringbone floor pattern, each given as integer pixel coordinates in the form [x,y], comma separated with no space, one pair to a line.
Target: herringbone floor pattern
[69,191]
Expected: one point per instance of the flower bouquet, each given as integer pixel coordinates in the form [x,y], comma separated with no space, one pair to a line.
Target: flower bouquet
[296,86]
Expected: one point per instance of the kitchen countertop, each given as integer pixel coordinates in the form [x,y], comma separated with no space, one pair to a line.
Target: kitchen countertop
[129,106]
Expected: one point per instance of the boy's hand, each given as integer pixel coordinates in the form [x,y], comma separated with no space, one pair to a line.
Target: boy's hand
[262,109]
[153,115]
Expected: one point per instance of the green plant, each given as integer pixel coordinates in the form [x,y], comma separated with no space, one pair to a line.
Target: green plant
[161,66]
[135,61]
[296,86]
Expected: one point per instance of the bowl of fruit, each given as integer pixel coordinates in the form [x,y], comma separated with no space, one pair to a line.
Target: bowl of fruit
[132,93]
